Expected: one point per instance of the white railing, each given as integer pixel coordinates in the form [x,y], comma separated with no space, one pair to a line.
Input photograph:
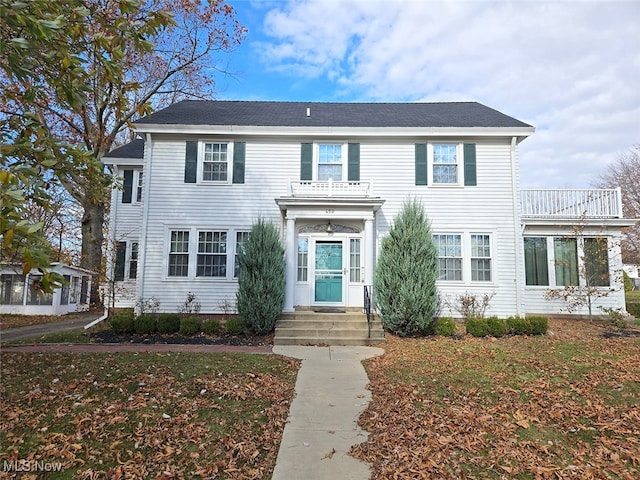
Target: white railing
[330,189]
[602,203]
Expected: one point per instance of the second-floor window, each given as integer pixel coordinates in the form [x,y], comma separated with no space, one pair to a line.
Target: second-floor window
[215,162]
[445,164]
[330,162]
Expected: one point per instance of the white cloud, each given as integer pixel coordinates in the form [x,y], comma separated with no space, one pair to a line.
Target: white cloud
[572,69]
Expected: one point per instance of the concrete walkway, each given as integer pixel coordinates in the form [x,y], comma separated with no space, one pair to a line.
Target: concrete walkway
[322,426]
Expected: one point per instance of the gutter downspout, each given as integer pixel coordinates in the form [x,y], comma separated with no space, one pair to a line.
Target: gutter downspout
[98,320]
[518,230]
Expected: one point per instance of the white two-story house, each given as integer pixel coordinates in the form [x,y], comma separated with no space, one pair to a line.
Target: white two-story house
[332,177]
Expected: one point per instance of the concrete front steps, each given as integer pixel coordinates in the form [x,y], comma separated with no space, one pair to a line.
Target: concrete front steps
[318,328]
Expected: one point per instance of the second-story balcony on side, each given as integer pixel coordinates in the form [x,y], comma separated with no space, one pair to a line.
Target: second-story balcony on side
[330,188]
[571,203]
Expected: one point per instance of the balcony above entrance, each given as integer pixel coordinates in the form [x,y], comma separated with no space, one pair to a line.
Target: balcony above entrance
[330,188]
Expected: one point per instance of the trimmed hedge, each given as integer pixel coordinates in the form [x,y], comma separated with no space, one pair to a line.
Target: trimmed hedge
[168,323]
[145,324]
[211,327]
[122,322]
[445,327]
[234,326]
[497,327]
[189,325]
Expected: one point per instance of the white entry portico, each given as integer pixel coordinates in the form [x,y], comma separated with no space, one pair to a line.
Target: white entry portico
[330,250]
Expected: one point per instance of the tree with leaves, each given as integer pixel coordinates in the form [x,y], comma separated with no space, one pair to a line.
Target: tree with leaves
[406,273]
[76,73]
[625,173]
[261,279]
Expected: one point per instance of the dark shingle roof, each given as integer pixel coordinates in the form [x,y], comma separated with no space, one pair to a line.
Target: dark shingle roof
[134,149]
[294,114]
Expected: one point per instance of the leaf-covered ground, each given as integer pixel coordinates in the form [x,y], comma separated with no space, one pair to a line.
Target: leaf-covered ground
[145,415]
[566,405]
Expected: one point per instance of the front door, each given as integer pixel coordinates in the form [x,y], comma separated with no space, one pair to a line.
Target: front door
[328,272]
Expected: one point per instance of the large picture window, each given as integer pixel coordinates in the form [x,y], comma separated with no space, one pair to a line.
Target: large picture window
[449,256]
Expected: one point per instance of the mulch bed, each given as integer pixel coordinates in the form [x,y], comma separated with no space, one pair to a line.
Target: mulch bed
[107,336]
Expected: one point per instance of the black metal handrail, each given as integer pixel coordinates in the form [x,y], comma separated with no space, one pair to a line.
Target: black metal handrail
[367,306]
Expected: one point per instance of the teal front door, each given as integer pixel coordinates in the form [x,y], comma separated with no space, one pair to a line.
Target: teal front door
[328,275]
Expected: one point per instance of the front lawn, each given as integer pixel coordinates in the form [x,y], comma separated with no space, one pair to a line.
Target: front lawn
[560,406]
[145,415]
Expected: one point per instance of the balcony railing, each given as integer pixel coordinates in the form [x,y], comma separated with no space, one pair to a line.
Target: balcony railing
[602,203]
[330,189]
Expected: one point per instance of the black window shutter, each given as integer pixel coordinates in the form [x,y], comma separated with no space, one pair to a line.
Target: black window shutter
[239,149]
[306,161]
[470,178]
[121,255]
[128,186]
[421,163]
[191,162]
[353,165]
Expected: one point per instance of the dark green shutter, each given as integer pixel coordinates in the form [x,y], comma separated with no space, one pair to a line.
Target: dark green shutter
[421,163]
[353,174]
[239,149]
[306,161]
[121,255]
[128,186]
[191,162]
[470,164]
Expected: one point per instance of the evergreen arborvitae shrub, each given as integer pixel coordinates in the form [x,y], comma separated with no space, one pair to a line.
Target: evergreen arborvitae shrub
[445,327]
[406,273]
[261,281]
[145,324]
[189,325]
[496,327]
[168,323]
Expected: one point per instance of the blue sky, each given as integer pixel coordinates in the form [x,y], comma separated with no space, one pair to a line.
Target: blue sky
[569,68]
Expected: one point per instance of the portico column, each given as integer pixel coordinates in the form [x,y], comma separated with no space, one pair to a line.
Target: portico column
[290,265]
[368,252]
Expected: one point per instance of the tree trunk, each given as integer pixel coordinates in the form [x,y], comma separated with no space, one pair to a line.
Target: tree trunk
[92,239]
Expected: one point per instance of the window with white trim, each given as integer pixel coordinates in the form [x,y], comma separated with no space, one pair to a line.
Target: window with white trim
[133,261]
[480,258]
[330,162]
[138,179]
[215,162]
[212,254]
[445,165]
[449,256]
[179,254]
[241,237]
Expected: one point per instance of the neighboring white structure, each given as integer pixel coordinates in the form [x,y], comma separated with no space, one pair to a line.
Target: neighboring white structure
[19,294]
[333,176]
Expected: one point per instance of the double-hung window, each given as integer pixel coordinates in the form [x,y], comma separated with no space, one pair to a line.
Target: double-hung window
[212,254]
[133,261]
[179,254]
[139,185]
[445,163]
[449,256]
[330,163]
[480,258]
[215,162]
